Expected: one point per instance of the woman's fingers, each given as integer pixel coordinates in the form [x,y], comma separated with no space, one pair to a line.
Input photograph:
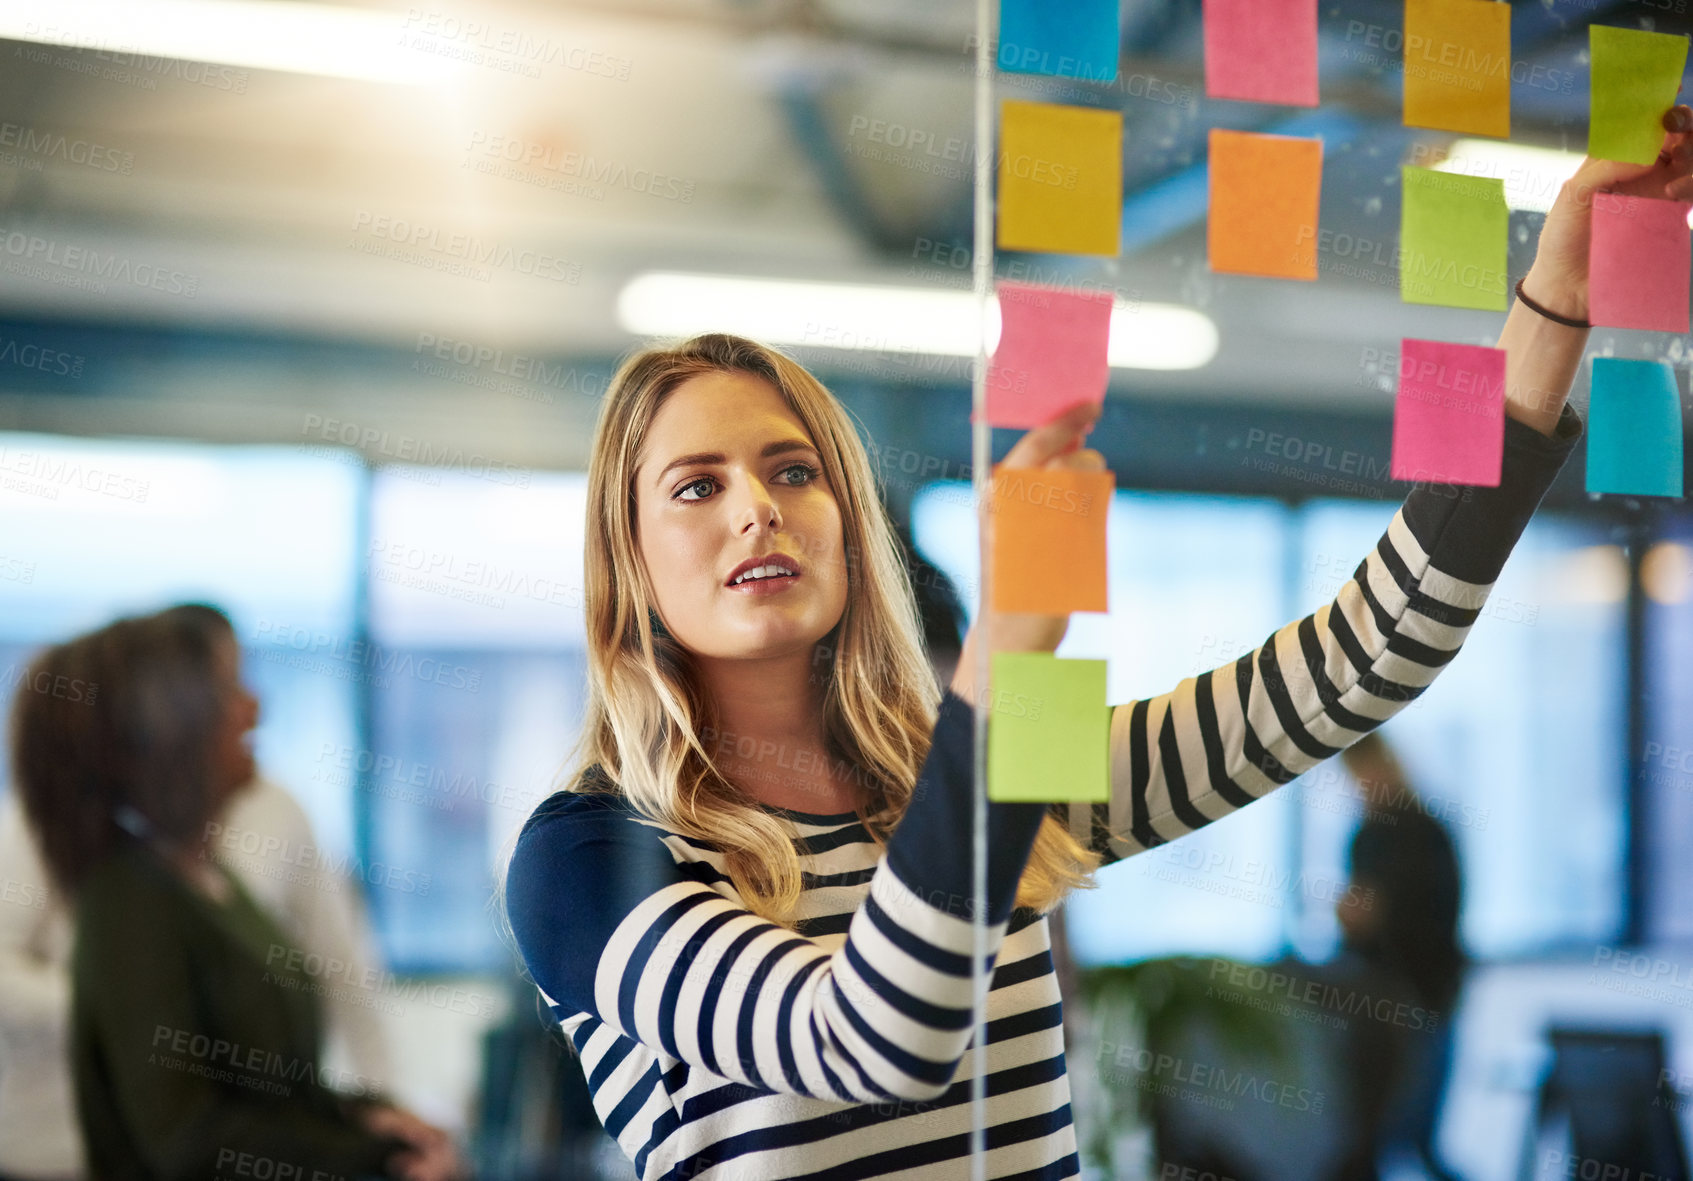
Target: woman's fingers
[1642,180]
[1677,154]
[1084,459]
[1054,438]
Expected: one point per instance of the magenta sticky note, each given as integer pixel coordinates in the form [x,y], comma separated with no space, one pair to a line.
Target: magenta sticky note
[1449,418]
[1051,353]
[1262,51]
[1638,263]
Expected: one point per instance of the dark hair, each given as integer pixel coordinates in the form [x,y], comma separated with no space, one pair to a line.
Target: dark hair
[1408,858]
[113,731]
[938,606]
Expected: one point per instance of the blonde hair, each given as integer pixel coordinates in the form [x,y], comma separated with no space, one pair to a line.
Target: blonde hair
[645,708]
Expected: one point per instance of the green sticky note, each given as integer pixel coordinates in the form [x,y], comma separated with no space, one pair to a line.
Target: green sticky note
[1453,233]
[1636,75]
[1049,729]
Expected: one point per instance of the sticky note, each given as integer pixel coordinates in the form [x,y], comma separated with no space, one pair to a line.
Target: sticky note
[1635,78]
[1265,193]
[1048,547]
[1070,39]
[1449,417]
[1049,729]
[1453,234]
[1634,429]
[1638,261]
[1262,51]
[1060,178]
[1051,354]
[1458,66]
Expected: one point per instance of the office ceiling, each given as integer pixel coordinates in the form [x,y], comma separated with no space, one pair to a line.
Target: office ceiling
[752,126]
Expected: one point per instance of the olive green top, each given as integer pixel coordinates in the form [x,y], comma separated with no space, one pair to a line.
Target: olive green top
[196,1036]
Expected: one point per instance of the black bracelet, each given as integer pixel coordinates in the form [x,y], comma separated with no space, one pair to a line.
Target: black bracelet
[1552,316]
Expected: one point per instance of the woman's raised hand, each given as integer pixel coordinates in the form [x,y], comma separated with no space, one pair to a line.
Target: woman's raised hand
[1558,278]
[1057,445]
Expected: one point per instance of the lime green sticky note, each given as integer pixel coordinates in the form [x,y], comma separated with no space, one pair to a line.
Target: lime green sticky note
[1636,75]
[1049,729]
[1453,233]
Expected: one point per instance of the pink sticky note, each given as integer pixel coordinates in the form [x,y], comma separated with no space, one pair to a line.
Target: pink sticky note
[1638,263]
[1449,418]
[1051,353]
[1262,51]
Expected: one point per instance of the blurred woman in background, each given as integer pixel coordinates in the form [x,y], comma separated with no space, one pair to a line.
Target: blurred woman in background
[196,1030]
[261,834]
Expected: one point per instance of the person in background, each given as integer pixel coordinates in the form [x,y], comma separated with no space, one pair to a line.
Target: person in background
[195,1030]
[1404,862]
[265,837]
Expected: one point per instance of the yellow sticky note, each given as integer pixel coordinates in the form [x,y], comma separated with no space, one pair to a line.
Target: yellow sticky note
[1265,195]
[1458,66]
[1048,548]
[1060,178]
[1049,729]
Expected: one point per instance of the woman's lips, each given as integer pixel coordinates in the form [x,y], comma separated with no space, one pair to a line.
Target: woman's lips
[766,586]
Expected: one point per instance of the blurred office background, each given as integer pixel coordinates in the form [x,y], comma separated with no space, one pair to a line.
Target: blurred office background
[307,313]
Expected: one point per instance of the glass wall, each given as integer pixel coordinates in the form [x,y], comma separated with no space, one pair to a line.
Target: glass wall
[1530,784]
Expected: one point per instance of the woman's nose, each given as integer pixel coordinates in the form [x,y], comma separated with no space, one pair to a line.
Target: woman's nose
[759,507]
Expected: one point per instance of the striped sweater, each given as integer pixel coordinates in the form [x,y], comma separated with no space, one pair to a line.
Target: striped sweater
[721,1046]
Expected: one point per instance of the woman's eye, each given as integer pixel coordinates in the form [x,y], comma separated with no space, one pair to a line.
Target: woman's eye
[808,472]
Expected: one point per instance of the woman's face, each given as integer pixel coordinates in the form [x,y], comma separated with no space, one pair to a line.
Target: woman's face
[232,757]
[749,485]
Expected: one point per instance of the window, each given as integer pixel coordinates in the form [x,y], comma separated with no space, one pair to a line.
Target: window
[95,529]
[475,591]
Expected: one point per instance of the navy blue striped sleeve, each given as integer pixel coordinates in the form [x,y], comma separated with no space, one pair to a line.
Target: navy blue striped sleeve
[1231,735]
[612,924]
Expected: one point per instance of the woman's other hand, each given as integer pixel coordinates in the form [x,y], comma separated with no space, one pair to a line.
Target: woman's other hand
[438,1162]
[1055,446]
[428,1153]
[1558,278]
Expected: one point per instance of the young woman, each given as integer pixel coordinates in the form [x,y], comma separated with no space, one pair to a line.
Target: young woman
[196,1036]
[751,912]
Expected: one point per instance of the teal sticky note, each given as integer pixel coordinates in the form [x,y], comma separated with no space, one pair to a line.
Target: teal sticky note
[1062,38]
[1634,429]
[1636,75]
[1453,234]
[1049,729]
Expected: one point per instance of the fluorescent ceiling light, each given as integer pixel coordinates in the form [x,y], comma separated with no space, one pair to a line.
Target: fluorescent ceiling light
[1532,176]
[301,38]
[884,319]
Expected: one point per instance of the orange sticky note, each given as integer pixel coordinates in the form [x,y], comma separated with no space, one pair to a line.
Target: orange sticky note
[1265,193]
[1048,548]
[1458,66]
[1060,178]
